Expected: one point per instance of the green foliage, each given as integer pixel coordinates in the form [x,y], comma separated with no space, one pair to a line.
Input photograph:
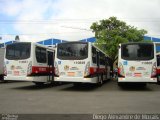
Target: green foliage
[111,32]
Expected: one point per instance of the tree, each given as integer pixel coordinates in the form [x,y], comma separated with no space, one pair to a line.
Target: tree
[111,32]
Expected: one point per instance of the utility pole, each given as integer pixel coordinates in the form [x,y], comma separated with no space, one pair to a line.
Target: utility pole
[17,38]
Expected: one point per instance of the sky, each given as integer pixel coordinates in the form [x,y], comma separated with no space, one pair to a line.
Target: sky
[36,20]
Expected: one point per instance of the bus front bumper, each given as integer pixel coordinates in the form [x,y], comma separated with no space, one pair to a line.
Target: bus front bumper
[76,79]
[145,80]
[25,78]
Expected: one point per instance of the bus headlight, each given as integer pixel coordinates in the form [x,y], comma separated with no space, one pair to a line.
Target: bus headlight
[121,70]
[154,70]
[87,69]
[56,70]
[5,70]
[29,70]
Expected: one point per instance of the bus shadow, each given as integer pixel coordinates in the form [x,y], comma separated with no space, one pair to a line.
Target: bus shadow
[86,87]
[8,82]
[135,88]
[38,87]
[81,87]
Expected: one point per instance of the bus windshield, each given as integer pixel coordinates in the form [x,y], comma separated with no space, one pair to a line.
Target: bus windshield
[18,51]
[137,51]
[72,51]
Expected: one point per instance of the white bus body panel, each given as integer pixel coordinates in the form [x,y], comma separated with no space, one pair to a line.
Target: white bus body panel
[73,71]
[137,71]
[17,70]
[1,60]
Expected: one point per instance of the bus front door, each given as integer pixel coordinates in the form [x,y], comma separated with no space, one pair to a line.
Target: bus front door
[50,66]
[98,70]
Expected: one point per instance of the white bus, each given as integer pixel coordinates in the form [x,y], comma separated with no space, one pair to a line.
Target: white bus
[26,61]
[137,63]
[81,62]
[1,63]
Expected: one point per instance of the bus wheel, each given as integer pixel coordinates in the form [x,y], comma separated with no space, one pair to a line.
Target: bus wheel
[39,83]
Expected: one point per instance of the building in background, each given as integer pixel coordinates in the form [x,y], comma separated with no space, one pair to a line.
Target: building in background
[6,43]
[153,39]
[53,41]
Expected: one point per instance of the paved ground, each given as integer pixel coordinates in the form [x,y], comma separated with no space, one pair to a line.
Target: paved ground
[25,97]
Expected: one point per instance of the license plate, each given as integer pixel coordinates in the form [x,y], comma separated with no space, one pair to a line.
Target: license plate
[137,75]
[71,73]
[16,72]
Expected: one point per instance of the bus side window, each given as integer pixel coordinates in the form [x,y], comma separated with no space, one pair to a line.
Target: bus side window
[125,52]
[50,58]
[102,57]
[158,60]
[94,59]
[98,61]
[139,52]
[41,55]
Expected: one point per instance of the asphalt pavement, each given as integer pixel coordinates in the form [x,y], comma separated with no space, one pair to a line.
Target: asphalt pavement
[27,98]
